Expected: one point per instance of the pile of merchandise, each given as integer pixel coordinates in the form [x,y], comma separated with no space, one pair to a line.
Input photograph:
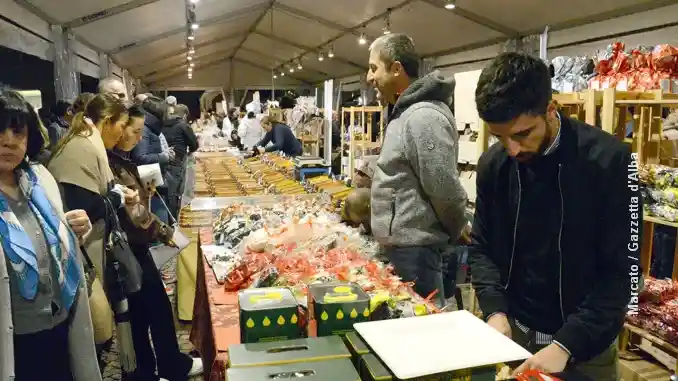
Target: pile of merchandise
[571,74]
[639,69]
[658,309]
[299,243]
[660,191]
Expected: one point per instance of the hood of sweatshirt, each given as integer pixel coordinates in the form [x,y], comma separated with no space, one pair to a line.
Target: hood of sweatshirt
[431,87]
[153,123]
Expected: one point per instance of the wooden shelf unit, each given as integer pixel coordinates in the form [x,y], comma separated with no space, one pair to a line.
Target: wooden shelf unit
[359,116]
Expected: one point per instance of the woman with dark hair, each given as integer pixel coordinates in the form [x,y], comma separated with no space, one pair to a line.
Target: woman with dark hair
[281,137]
[43,294]
[150,307]
[150,148]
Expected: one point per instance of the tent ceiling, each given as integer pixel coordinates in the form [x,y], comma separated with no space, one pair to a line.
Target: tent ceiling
[242,41]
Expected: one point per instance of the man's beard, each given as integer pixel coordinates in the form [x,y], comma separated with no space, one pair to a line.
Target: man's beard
[546,142]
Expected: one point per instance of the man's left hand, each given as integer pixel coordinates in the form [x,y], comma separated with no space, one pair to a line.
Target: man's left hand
[552,359]
[79,222]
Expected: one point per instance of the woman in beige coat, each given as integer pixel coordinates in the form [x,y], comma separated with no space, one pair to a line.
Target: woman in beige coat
[45,327]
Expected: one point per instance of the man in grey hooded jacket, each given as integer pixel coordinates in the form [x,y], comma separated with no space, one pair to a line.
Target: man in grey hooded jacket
[417,202]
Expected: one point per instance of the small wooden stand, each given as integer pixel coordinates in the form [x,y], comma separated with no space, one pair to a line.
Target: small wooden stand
[359,116]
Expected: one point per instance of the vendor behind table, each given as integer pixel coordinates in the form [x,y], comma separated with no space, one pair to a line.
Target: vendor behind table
[550,255]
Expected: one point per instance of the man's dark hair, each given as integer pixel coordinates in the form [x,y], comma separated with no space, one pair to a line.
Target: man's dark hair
[398,47]
[155,106]
[61,108]
[512,85]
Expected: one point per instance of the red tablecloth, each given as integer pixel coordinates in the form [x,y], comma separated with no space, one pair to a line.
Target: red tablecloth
[215,322]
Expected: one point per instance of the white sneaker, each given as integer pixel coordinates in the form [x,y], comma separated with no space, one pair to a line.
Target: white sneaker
[197,368]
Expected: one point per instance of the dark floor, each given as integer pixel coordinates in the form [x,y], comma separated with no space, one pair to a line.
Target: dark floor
[112,367]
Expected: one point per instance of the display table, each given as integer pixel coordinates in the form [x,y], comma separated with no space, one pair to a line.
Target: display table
[187,269]
[215,322]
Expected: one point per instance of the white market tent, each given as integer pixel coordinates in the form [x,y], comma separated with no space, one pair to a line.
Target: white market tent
[242,43]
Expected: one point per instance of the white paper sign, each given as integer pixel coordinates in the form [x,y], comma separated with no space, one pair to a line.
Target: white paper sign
[151,173]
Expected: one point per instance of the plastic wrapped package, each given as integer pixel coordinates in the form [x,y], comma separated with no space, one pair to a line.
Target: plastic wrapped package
[666,212]
[659,290]
[569,74]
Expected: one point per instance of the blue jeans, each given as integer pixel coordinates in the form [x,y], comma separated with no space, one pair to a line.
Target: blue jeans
[422,265]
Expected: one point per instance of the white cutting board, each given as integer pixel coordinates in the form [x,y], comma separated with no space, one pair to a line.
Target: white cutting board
[421,346]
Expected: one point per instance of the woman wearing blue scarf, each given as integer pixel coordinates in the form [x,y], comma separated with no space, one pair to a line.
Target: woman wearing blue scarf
[43,295]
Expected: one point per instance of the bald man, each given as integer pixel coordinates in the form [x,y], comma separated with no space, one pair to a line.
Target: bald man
[112,85]
[356,210]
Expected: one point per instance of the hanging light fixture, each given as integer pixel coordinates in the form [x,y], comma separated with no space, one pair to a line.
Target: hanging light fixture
[191,37]
[299,66]
[387,22]
[450,4]
[330,53]
[362,40]
[191,64]
[194,1]
[189,58]
[195,26]
[275,76]
[190,69]
[282,73]
[191,50]
[321,57]
[291,69]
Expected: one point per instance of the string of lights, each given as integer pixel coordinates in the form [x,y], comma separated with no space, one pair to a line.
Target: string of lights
[192,26]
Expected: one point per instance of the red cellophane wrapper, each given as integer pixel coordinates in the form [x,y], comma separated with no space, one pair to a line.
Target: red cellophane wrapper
[665,58]
[659,290]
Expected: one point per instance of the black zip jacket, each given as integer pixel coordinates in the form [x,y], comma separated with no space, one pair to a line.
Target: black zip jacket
[180,137]
[598,235]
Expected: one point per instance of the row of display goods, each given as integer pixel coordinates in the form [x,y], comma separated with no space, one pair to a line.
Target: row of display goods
[659,185]
[658,309]
[302,245]
[636,69]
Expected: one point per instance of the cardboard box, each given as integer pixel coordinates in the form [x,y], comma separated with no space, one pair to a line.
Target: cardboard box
[269,314]
[332,370]
[372,369]
[337,306]
[287,352]
[641,370]
[356,346]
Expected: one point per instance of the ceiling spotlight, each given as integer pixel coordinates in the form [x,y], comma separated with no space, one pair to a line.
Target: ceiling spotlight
[330,54]
[195,1]
[190,69]
[195,26]
[450,4]
[387,22]
[189,58]
[282,73]
[291,69]
[321,57]
[191,50]
[191,64]
[191,37]
[299,67]
[362,40]
[275,76]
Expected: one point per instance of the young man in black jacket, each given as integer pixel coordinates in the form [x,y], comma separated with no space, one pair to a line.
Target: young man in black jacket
[555,234]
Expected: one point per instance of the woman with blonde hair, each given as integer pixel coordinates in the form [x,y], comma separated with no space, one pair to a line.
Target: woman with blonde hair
[80,165]
[45,327]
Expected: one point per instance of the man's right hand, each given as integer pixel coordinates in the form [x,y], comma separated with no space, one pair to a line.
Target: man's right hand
[500,322]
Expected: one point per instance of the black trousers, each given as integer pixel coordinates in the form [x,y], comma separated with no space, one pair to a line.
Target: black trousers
[151,308]
[43,355]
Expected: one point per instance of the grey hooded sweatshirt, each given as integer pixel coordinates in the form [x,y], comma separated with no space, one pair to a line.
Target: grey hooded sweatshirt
[417,198]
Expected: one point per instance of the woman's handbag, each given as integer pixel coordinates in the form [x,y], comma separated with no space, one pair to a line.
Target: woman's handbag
[118,250]
[100,308]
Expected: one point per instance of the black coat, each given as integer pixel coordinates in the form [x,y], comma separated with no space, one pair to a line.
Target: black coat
[181,137]
[599,235]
